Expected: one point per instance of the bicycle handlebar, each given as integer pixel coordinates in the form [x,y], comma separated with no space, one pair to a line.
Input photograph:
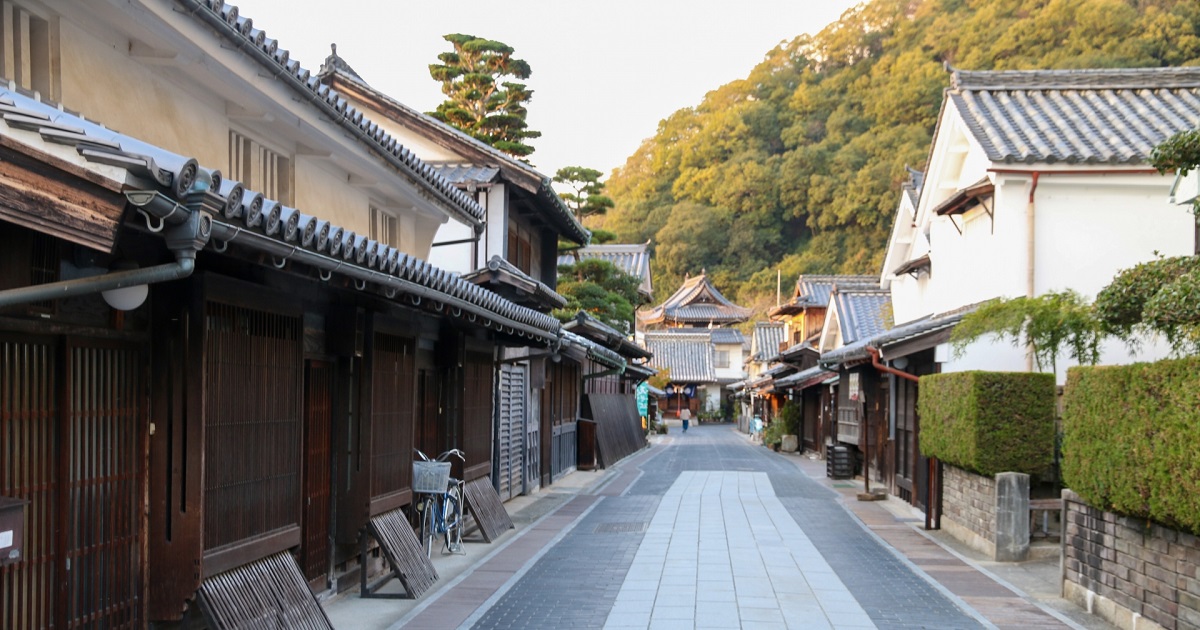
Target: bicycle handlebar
[444,456]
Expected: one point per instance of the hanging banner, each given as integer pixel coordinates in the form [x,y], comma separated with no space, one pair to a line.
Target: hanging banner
[642,395]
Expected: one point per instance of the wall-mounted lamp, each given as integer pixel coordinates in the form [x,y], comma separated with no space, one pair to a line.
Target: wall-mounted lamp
[126,298]
[900,363]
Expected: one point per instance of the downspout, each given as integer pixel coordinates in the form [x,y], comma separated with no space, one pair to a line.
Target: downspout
[1031,255]
[1030,219]
[887,369]
[187,232]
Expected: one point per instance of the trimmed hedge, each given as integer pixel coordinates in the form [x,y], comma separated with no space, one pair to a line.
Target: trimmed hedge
[989,422]
[1131,439]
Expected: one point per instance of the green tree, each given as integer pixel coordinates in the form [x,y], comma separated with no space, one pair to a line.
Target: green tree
[600,289]
[586,197]
[1048,324]
[478,101]
[803,160]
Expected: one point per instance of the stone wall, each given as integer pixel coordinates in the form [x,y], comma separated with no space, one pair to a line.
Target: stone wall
[1135,574]
[969,508]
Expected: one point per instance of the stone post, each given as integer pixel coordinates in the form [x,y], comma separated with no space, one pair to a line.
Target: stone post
[1012,516]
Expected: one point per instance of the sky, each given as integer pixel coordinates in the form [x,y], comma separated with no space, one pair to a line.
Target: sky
[604,73]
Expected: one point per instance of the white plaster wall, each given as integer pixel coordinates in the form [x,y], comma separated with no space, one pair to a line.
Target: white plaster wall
[455,258]
[137,101]
[421,146]
[495,238]
[734,371]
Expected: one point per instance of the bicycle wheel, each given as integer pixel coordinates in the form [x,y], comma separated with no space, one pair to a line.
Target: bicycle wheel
[452,512]
[428,524]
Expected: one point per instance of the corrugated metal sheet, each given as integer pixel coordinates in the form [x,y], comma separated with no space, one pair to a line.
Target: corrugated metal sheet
[1076,116]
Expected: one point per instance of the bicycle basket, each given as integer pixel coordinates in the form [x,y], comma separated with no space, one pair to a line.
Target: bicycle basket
[431,477]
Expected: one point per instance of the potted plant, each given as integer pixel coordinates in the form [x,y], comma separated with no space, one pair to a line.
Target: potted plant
[773,434]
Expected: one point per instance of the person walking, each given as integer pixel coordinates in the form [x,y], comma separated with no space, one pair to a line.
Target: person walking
[685,415]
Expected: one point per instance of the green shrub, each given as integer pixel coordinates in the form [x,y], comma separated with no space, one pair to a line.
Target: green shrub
[774,432]
[790,416]
[1131,438]
[989,422]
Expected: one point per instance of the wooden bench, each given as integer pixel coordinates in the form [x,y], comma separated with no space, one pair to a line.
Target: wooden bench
[1045,507]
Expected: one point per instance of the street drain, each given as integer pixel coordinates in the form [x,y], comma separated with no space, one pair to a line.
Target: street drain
[621,528]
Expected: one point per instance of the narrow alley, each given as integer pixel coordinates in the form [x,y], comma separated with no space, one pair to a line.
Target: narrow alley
[707,529]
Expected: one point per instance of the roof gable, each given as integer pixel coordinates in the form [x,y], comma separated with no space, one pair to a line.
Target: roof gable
[697,301]
[632,258]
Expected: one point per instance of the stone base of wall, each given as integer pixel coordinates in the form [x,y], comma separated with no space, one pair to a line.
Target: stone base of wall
[1106,608]
[1136,575]
[967,536]
[969,509]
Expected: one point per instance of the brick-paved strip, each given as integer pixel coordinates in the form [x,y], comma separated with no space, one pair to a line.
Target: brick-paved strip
[994,602]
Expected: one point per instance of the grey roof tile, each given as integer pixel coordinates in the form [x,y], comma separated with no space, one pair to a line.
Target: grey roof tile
[766,341]
[814,289]
[468,173]
[862,313]
[697,301]
[1076,116]
[689,357]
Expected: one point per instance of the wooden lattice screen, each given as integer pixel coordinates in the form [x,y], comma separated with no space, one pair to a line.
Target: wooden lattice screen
[392,404]
[477,414]
[70,445]
[253,423]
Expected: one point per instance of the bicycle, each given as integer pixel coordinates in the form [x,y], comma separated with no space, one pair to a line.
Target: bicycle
[441,504]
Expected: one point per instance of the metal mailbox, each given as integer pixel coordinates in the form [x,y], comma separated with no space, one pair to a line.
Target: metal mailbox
[12,529]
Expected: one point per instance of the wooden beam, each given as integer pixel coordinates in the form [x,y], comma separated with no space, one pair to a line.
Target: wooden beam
[52,196]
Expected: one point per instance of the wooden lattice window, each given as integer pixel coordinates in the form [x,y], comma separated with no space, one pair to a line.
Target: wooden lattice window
[385,227]
[260,168]
[253,423]
[29,54]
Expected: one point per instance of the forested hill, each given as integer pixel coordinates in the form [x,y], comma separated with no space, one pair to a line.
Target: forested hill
[799,166]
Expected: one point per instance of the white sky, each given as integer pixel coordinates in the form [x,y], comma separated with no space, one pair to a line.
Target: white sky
[604,73]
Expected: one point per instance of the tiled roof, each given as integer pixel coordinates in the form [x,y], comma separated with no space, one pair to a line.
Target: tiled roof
[531,292]
[464,174]
[767,338]
[688,357]
[521,174]
[722,336]
[633,259]
[862,313]
[906,332]
[244,219]
[1076,116]
[803,377]
[814,289]
[594,351]
[727,336]
[697,301]
[224,18]
[587,326]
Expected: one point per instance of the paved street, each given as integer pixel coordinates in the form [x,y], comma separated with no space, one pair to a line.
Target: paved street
[707,530]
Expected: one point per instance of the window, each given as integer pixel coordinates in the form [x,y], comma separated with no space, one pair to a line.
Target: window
[722,358]
[520,250]
[385,228]
[26,54]
[260,168]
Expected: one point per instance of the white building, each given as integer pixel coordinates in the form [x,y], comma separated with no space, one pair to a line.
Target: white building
[1038,181]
